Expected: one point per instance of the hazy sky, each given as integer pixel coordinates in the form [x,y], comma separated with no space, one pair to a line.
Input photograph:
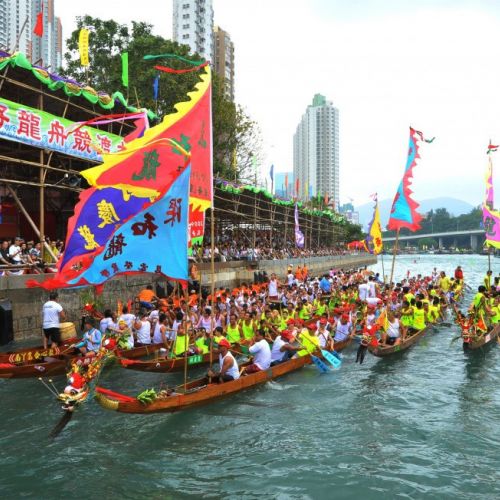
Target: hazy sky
[386,65]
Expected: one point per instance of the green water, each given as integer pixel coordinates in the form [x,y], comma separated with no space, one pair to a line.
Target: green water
[424,424]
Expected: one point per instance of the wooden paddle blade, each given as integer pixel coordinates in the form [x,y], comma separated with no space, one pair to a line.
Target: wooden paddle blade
[61,424]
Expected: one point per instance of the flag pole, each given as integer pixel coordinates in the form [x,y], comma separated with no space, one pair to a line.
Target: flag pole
[212,284]
[383,270]
[395,251]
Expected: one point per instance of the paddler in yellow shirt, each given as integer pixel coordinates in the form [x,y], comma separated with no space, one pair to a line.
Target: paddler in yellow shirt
[487,280]
[419,316]
[444,282]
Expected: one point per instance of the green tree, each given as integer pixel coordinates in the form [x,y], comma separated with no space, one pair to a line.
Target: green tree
[234,133]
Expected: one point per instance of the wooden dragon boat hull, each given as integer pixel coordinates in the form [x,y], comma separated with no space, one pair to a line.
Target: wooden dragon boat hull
[165,365]
[197,392]
[35,353]
[50,367]
[485,340]
[138,352]
[383,351]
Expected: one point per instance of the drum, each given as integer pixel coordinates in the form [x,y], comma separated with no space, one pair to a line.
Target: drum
[68,330]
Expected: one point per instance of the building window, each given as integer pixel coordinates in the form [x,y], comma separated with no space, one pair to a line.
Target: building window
[185,26]
[185,16]
[185,6]
[185,36]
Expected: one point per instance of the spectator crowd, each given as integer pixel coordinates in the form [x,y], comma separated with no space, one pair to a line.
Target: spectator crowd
[18,256]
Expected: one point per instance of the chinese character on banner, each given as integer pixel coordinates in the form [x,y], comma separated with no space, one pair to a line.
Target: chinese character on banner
[174,212]
[82,141]
[88,236]
[115,247]
[3,117]
[128,265]
[104,142]
[57,133]
[115,268]
[107,213]
[184,142]
[140,228]
[149,166]
[29,125]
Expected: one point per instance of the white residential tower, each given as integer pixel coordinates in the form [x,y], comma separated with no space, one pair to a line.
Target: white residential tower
[316,151]
[193,23]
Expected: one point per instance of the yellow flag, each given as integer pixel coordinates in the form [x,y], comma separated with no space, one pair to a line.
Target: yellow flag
[83,46]
[375,241]
[383,321]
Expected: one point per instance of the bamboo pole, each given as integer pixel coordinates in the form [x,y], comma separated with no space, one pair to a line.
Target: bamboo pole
[186,338]
[383,270]
[212,283]
[394,256]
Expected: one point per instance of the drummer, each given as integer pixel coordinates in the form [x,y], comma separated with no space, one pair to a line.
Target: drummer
[92,338]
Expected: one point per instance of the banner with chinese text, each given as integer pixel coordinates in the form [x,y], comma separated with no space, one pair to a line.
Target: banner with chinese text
[43,130]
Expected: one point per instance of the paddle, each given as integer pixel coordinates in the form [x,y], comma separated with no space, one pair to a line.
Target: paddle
[63,422]
[319,364]
[332,358]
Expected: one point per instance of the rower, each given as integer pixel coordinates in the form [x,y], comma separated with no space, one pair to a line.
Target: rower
[142,328]
[160,330]
[419,316]
[343,329]
[395,330]
[479,301]
[228,366]
[91,341]
[261,353]
[282,349]
[233,330]
[325,340]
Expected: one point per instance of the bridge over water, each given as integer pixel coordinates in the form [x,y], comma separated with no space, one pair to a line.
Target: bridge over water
[474,234]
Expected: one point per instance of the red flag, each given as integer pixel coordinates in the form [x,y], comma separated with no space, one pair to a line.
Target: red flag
[297,184]
[190,129]
[38,29]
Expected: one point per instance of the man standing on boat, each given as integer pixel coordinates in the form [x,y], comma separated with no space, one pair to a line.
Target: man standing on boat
[228,366]
[52,313]
[459,274]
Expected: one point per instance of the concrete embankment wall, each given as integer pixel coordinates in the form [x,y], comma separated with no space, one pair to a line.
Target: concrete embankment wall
[27,302]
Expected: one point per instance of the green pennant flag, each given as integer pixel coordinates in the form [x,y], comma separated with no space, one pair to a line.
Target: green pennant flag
[125,69]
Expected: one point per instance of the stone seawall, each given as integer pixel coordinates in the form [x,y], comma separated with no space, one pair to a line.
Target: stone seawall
[27,303]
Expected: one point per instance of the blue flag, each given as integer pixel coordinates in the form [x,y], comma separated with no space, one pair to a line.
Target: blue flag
[155,240]
[97,215]
[156,87]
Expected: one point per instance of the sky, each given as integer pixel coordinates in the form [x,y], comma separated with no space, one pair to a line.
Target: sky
[431,64]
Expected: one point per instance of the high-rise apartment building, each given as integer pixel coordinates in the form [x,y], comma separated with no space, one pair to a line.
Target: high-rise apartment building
[223,60]
[17,20]
[316,151]
[193,22]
